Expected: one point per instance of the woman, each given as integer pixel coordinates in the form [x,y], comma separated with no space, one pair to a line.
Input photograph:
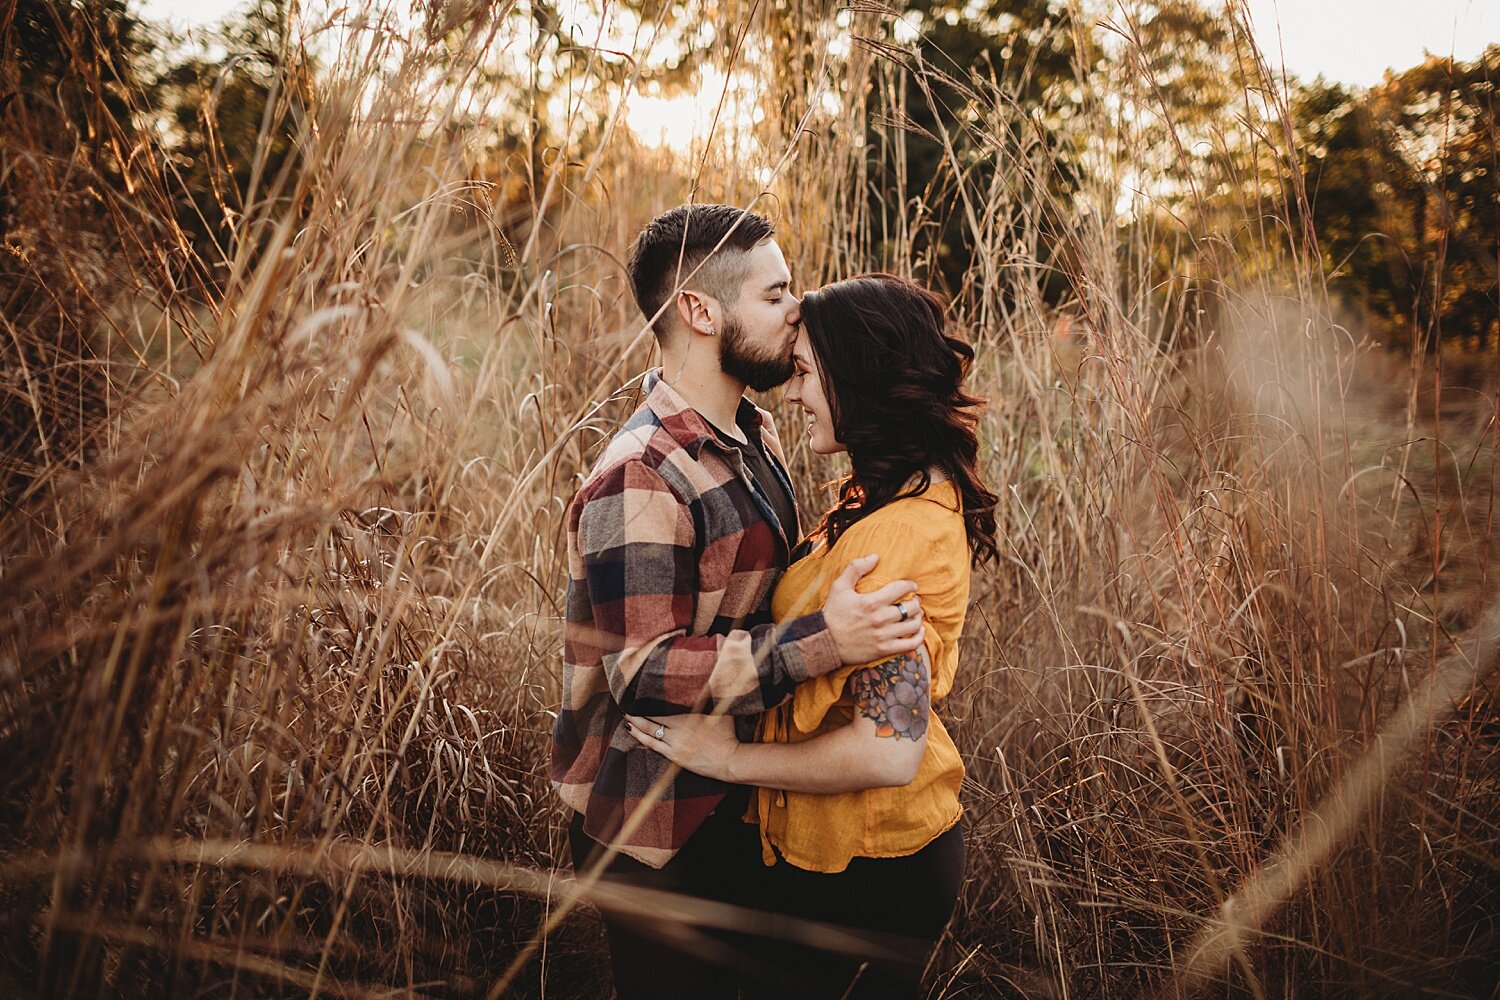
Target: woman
[857,779]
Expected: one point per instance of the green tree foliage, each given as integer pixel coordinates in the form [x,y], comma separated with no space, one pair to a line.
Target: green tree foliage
[1402,182]
[1199,169]
[1445,118]
[1191,88]
[979,86]
[1364,199]
[231,121]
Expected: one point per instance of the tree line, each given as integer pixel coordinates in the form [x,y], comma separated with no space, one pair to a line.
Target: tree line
[1395,185]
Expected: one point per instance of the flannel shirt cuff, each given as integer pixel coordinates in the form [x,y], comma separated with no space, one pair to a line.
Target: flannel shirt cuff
[817,653]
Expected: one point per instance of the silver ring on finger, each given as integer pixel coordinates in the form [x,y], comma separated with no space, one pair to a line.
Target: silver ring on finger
[901,607]
[661,732]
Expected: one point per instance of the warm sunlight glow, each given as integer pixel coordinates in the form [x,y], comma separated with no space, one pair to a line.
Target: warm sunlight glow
[666,121]
[684,122]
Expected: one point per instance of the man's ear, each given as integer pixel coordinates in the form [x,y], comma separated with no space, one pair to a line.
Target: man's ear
[693,308]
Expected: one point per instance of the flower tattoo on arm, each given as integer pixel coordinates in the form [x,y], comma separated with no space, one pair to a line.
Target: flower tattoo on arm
[895,695]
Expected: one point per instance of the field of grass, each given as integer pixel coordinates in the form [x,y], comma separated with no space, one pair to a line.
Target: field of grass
[282,563]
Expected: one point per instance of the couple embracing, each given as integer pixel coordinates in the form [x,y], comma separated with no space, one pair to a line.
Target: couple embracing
[747,700]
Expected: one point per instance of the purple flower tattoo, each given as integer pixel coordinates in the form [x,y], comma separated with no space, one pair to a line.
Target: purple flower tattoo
[895,695]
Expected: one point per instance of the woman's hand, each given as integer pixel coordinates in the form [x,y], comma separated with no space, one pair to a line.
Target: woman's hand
[703,744]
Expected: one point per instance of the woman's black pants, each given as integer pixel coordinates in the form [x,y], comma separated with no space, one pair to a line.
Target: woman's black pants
[897,906]
[888,913]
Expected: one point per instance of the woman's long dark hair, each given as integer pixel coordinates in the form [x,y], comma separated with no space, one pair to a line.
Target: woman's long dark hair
[894,382]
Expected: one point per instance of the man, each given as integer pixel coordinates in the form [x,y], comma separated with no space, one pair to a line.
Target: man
[675,543]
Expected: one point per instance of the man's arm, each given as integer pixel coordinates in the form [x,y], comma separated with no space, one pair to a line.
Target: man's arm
[882,747]
[638,548]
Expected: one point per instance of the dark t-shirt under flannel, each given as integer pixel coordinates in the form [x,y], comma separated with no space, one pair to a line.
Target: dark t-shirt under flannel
[769,479]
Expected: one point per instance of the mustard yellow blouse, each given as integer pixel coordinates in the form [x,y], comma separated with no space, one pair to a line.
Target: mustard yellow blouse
[922,539]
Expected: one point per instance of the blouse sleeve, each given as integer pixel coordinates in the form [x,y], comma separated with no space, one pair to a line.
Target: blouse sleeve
[912,547]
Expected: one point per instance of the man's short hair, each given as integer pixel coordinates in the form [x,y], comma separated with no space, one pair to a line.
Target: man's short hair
[674,245]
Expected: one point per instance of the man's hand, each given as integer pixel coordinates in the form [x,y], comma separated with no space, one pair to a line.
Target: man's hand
[703,744]
[870,627]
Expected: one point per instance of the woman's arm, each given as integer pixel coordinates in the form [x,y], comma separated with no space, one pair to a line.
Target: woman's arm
[882,747]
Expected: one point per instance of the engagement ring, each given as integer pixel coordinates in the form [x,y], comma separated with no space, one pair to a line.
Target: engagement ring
[661,732]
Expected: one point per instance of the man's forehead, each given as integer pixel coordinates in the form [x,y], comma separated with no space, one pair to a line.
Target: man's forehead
[767,263]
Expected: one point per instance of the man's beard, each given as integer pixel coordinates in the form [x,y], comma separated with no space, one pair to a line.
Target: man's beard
[739,362]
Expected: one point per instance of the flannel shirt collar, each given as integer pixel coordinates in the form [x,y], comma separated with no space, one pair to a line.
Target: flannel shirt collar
[687,426]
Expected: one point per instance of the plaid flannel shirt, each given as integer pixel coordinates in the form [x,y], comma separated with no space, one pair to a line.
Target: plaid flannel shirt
[672,558]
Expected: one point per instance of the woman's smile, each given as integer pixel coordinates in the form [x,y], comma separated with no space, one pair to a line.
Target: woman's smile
[806,390]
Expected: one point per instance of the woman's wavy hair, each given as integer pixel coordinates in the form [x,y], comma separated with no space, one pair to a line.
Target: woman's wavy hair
[894,379]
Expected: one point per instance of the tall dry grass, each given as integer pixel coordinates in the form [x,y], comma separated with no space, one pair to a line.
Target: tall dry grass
[283,576]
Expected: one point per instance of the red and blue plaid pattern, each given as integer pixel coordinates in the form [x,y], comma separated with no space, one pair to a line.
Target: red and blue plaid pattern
[672,558]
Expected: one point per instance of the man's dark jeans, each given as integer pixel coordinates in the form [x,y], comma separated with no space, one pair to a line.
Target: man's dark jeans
[651,959]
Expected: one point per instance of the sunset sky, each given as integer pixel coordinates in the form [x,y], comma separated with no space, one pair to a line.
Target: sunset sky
[1355,41]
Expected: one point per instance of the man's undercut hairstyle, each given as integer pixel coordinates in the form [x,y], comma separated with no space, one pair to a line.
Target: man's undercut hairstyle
[701,247]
